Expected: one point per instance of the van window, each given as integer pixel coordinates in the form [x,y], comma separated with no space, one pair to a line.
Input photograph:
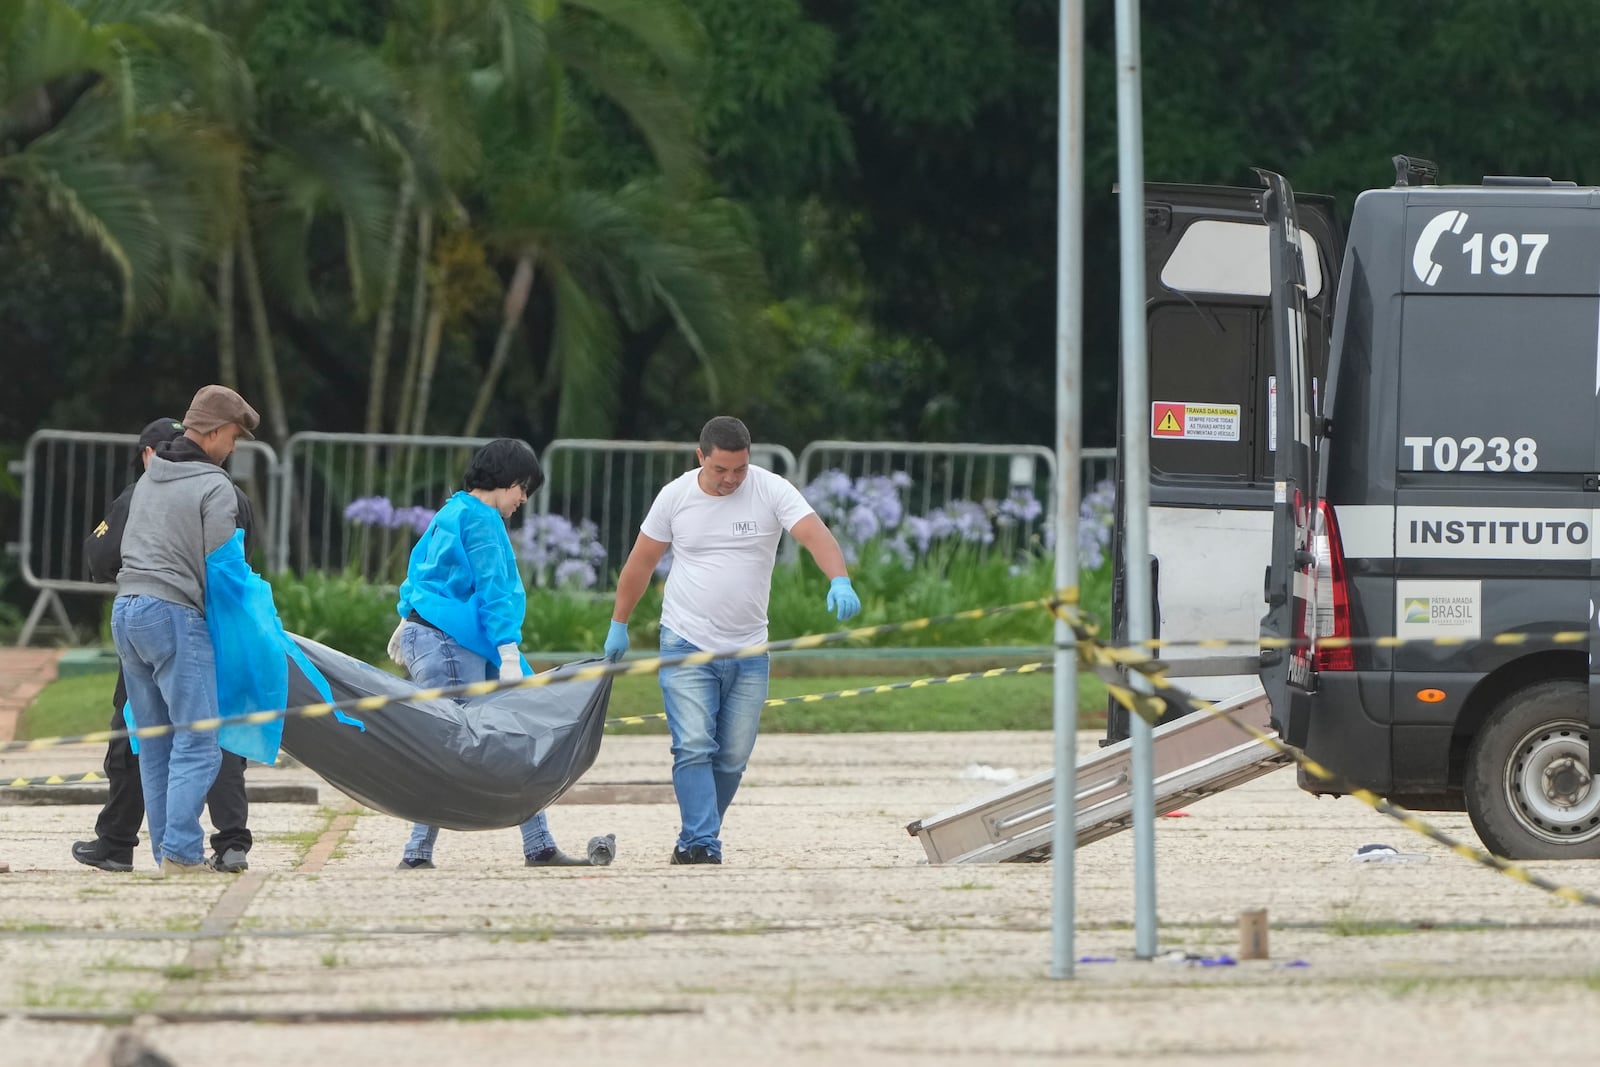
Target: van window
[1219,356]
[1216,256]
[1205,356]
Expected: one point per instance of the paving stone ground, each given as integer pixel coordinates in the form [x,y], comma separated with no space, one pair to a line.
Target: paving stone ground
[824,939]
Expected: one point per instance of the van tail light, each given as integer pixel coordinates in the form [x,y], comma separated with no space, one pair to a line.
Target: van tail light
[1333,594]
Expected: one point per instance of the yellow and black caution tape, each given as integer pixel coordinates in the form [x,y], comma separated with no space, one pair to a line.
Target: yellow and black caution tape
[580,674]
[1106,665]
[1106,661]
[1508,638]
[53,779]
[635,720]
[889,687]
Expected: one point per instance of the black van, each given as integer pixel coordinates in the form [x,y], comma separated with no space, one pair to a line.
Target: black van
[1441,491]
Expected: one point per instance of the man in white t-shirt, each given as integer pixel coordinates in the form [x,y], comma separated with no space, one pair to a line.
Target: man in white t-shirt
[722,521]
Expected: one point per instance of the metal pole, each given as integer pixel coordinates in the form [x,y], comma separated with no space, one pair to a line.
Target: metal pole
[1136,456]
[1069,466]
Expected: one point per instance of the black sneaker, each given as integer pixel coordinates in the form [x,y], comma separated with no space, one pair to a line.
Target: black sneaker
[415,863]
[231,861]
[95,854]
[695,854]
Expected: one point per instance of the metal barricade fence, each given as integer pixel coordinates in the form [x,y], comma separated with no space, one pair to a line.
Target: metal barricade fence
[937,475]
[69,479]
[395,482]
[1098,465]
[357,502]
[612,483]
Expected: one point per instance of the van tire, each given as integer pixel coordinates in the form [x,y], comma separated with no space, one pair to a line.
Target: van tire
[1528,789]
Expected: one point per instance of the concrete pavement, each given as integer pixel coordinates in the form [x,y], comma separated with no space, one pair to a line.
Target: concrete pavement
[824,938]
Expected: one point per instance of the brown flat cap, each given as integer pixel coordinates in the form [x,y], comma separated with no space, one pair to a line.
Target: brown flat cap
[217,405]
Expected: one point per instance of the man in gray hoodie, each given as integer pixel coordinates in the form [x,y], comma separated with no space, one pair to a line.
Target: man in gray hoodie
[184,509]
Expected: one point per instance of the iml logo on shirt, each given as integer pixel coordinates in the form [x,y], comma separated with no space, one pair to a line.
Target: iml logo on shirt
[744,529]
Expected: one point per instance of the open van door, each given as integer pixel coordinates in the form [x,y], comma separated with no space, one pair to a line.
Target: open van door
[1213,344]
[1291,578]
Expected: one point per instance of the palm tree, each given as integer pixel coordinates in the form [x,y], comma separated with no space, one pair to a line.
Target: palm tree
[88,127]
[611,261]
[626,261]
[322,135]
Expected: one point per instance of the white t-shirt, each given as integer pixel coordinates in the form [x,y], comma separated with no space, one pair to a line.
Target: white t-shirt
[723,549]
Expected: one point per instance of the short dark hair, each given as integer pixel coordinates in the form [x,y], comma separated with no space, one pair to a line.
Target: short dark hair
[724,432]
[502,464]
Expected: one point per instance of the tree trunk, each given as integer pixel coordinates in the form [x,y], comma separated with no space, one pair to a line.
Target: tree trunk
[227,353]
[430,360]
[516,303]
[261,329]
[383,342]
[419,310]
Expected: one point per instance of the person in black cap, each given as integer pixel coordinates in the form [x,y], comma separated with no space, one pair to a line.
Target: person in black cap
[117,828]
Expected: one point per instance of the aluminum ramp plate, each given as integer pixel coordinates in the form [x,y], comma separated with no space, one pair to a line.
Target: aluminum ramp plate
[1196,756]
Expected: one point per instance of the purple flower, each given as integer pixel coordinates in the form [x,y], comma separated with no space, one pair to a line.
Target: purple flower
[830,493]
[920,530]
[417,518]
[1097,514]
[862,524]
[575,574]
[1020,506]
[881,495]
[369,511]
[559,553]
[971,522]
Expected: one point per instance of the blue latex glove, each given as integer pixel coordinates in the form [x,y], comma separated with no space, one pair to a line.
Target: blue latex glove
[616,640]
[842,599]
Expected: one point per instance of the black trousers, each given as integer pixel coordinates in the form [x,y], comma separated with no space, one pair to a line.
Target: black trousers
[120,820]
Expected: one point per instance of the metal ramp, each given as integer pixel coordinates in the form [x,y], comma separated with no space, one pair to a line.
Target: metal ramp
[1196,756]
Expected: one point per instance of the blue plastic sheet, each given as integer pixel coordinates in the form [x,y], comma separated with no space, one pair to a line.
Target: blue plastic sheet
[253,653]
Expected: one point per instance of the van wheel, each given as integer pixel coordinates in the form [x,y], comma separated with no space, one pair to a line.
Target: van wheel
[1529,791]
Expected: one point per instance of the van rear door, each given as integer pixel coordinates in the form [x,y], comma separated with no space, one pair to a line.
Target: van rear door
[1213,374]
[1291,579]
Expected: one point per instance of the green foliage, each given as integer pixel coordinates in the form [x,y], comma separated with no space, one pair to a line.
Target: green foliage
[886,166]
[339,610]
[771,125]
[566,621]
[91,131]
[832,376]
[357,617]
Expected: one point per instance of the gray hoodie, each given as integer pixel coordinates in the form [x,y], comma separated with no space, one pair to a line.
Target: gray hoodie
[182,510]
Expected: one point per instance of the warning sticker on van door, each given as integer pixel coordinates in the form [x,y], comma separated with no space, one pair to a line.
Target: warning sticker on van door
[1194,422]
[1438,609]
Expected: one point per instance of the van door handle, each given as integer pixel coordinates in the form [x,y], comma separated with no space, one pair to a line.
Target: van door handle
[1272,595]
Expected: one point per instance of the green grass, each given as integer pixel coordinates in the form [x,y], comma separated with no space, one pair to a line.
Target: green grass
[71,706]
[1012,702]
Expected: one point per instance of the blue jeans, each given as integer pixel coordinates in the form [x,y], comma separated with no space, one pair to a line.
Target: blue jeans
[713,710]
[171,674]
[435,660]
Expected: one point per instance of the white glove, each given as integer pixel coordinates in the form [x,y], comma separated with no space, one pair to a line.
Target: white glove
[510,663]
[395,652]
